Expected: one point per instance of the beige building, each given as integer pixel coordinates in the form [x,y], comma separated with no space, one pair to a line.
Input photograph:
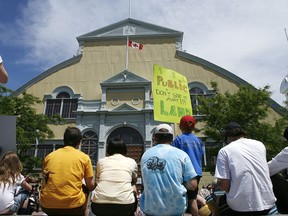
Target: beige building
[107,93]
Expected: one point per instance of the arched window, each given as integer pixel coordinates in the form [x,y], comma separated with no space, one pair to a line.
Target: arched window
[90,146]
[63,104]
[196,91]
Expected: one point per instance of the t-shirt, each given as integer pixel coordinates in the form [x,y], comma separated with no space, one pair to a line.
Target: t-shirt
[192,145]
[7,194]
[63,171]
[114,176]
[244,163]
[164,170]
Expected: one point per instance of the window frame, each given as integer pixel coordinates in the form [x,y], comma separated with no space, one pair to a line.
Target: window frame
[205,93]
[92,152]
[65,107]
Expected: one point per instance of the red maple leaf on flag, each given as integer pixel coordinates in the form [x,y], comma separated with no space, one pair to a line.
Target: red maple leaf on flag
[135,45]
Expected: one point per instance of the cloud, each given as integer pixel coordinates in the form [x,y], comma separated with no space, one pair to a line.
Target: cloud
[245,37]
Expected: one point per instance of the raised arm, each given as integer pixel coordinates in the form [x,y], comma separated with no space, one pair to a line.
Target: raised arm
[3,73]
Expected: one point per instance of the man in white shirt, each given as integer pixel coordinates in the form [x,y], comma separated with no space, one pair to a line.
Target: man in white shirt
[279,180]
[243,173]
[280,161]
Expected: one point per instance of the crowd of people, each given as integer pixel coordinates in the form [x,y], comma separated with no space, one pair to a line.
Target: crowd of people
[171,172]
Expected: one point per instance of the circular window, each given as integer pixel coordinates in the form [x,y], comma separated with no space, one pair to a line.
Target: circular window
[115,101]
[135,100]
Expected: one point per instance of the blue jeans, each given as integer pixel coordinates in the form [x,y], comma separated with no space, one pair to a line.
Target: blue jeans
[19,198]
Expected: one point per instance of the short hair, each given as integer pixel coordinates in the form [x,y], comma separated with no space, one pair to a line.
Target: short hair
[72,136]
[116,146]
[233,129]
[163,138]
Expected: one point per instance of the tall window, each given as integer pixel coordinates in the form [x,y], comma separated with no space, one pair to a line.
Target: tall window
[63,105]
[195,93]
[90,146]
[198,90]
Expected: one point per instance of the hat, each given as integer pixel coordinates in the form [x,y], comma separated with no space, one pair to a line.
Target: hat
[233,129]
[163,129]
[232,125]
[187,123]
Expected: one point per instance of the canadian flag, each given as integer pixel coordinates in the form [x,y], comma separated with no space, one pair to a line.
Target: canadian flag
[135,45]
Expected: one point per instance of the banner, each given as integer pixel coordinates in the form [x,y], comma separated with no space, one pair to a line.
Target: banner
[170,95]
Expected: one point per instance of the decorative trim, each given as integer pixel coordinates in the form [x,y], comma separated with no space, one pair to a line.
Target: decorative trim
[114,101]
[135,100]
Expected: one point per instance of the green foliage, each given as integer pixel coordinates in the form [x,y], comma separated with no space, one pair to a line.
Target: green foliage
[249,108]
[29,124]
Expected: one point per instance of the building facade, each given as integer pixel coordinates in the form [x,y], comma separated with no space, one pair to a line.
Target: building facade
[106,89]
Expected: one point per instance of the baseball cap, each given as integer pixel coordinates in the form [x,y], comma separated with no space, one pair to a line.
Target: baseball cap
[187,123]
[163,129]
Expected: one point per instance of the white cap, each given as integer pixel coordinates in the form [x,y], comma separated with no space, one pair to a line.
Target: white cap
[167,129]
[1,60]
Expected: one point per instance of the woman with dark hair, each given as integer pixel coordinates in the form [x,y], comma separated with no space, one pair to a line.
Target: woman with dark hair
[116,146]
[116,175]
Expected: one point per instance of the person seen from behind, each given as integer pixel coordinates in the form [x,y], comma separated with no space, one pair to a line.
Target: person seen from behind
[14,189]
[63,171]
[280,161]
[243,173]
[166,173]
[193,146]
[278,166]
[116,176]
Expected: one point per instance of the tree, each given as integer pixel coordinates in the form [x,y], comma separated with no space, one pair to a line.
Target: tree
[29,124]
[248,107]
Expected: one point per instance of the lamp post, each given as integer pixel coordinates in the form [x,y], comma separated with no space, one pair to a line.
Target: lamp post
[36,144]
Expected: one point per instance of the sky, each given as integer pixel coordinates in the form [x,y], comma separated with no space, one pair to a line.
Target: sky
[245,37]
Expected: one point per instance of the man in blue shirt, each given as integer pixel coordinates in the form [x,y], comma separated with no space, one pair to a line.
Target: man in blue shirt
[166,173]
[193,146]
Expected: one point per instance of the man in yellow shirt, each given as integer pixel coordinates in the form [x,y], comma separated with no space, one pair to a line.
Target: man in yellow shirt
[62,174]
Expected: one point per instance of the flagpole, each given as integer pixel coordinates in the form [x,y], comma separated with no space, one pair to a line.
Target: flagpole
[126,66]
[286,34]
[129,8]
